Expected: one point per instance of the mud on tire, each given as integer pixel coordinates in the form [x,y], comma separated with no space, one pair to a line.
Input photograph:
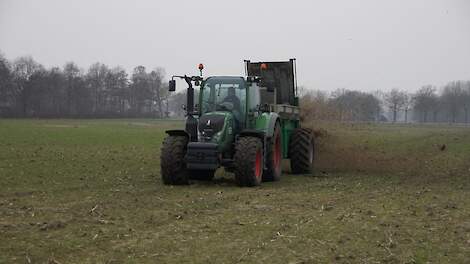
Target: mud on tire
[173,167]
[248,161]
[301,151]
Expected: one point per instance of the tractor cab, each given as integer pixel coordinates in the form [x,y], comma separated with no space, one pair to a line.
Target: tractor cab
[222,100]
[224,95]
[224,106]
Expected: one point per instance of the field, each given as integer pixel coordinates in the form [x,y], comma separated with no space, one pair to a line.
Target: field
[89,191]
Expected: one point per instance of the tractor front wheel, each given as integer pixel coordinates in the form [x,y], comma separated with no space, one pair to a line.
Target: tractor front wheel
[248,161]
[173,167]
[301,151]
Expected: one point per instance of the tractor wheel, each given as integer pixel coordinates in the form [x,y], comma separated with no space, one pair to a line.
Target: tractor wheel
[202,175]
[301,151]
[173,167]
[274,156]
[248,161]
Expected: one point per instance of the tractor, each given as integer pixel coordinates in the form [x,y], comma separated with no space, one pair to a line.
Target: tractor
[247,125]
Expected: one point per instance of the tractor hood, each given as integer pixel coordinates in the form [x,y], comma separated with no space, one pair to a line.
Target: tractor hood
[212,125]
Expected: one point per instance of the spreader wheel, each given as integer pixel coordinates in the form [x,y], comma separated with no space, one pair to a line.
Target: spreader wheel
[301,151]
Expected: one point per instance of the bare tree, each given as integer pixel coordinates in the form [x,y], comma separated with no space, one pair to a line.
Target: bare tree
[141,91]
[316,106]
[407,105]
[23,69]
[453,98]
[395,101]
[340,103]
[117,86]
[96,79]
[425,101]
[78,96]
[466,100]
[158,88]
[6,85]
[56,83]
[359,106]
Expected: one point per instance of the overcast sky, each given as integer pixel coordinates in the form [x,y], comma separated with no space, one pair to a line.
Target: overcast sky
[354,44]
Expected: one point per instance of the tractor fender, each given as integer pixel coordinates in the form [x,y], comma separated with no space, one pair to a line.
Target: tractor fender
[176,132]
[272,120]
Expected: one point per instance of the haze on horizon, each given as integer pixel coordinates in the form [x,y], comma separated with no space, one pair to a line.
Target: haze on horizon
[363,45]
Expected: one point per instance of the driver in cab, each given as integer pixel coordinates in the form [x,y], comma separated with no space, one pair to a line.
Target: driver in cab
[235,101]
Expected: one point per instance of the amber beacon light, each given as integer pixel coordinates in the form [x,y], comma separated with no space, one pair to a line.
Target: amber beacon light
[200,67]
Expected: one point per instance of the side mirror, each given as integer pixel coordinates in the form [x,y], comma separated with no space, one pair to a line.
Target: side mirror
[172,85]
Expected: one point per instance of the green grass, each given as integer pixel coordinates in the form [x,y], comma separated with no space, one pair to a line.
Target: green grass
[88,191]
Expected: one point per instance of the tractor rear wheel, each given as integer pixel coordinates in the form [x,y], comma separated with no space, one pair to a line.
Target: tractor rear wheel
[248,161]
[274,156]
[202,175]
[301,151]
[173,167]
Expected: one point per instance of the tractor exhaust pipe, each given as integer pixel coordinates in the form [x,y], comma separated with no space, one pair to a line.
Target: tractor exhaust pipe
[190,96]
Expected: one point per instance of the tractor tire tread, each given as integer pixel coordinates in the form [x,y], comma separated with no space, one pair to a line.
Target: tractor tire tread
[173,168]
[244,161]
[299,150]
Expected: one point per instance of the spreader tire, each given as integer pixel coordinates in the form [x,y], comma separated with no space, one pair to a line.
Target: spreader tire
[248,161]
[274,156]
[173,167]
[301,151]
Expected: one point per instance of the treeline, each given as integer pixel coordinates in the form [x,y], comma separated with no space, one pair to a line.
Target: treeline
[28,89]
[448,104]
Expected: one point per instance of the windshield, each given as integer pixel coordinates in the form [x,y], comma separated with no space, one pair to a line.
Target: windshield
[224,94]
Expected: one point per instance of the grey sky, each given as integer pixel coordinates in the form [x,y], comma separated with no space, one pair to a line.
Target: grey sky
[361,44]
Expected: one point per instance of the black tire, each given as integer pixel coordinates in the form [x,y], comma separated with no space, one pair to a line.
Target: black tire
[201,175]
[248,161]
[274,156]
[301,151]
[173,167]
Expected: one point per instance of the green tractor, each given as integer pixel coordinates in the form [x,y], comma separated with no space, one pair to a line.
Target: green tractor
[247,125]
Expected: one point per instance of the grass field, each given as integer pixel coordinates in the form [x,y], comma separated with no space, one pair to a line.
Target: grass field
[89,191]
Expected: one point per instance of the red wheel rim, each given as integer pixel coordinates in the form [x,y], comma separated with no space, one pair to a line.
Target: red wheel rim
[277,152]
[258,164]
